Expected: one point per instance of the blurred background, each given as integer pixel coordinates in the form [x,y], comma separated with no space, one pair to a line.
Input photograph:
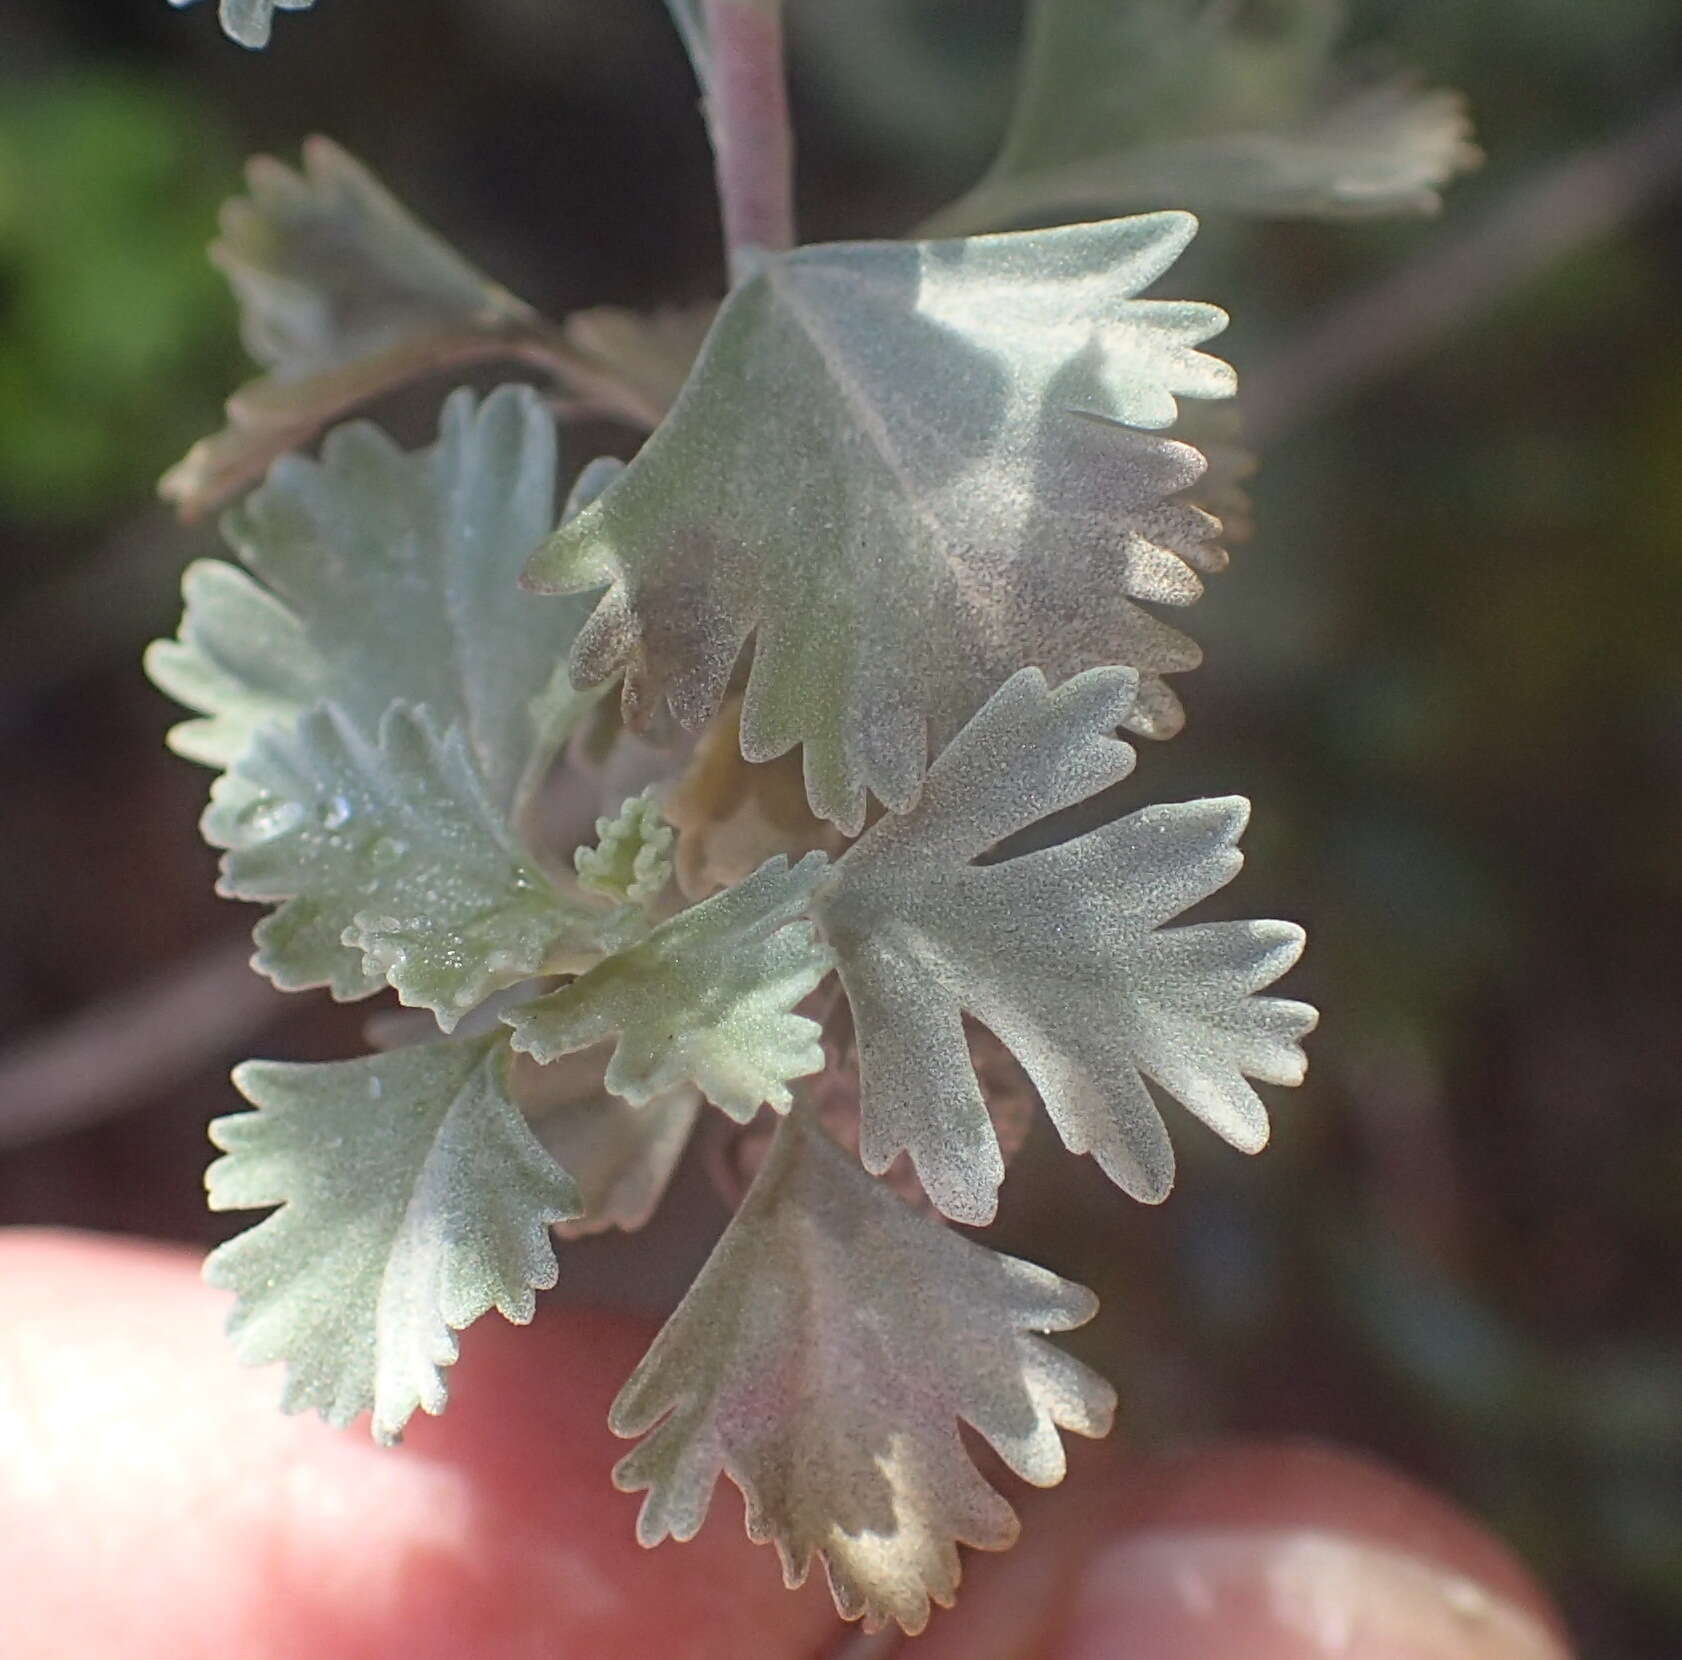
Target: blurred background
[1447,667]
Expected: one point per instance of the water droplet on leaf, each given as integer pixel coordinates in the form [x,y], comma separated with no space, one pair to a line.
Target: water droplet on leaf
[265,818]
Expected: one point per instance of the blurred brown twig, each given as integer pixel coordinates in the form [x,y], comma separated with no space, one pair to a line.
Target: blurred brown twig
[119,1052]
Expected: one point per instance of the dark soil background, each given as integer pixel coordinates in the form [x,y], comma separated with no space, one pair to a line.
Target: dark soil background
[1445,668]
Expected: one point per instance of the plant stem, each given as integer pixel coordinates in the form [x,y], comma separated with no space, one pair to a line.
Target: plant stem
[753,143]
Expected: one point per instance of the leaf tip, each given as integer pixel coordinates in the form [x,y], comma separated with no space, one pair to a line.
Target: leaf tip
[1180,225]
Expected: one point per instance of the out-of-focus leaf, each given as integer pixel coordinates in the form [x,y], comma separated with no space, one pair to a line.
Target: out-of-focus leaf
[620,1156]
[249,21]
[1372,152]
[948,423]
[393,846]
[413,1199]
[631,862]
[1214,107]
[824,1359]
[343,294]
[1216,432]
[708,998]
[329,267]
[732,815]
[650,354]
[1060,953]
[1098,75]
[388,576]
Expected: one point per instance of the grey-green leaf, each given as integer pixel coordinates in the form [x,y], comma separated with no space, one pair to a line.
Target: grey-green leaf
[342,294]
[249,21]
[396,843]
[384,575]
[413,1200]
[1218,108]
[707,998]
[329,267]
[1061,953]
[930,479]
[1376,152]
[824,1360]
[242,656]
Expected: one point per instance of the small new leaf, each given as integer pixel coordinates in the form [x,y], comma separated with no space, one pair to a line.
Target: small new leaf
[824,1359]
[413,1200]
[947,423]
[1060,953]
[397,845]
[249,21]
[631,862]
[1236,108]
[387,576]
[707,998]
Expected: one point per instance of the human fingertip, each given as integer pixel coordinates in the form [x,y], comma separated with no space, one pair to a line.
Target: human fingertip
[1286,1593]
[155,1502]
[1250,1552]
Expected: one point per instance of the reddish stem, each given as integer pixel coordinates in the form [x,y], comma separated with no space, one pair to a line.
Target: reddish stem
[753,143]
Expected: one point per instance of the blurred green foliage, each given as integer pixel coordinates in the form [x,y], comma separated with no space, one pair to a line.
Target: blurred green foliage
[115,335]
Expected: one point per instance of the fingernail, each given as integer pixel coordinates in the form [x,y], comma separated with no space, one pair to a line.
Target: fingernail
[1300,1594]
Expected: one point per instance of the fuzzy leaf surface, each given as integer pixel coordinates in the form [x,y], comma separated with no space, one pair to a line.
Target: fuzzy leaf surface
[242,656]
[379,575]
[249,21]
[824,1359]
[394,845]
[707,998]
[413,1200]
[1061,953]
[948,423]
[1235,108]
